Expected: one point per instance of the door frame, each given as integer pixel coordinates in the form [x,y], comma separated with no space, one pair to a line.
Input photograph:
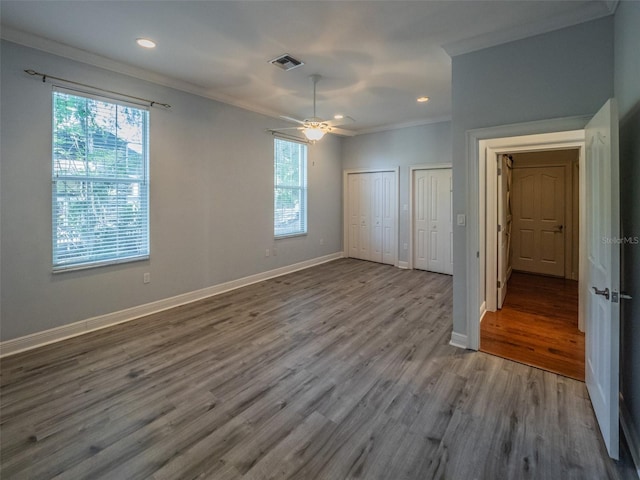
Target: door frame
[345,205]
[412,170]
[551,134]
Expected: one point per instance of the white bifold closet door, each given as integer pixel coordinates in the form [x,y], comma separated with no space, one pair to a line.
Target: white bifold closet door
[433,220]
[372,216]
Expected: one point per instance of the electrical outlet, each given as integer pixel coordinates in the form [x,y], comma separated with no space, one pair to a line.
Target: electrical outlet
[405,246]
[146,278]
[266,252]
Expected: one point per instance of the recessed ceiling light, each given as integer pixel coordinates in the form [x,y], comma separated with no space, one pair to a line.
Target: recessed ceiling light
[422,99]
[146,43]
[338,116]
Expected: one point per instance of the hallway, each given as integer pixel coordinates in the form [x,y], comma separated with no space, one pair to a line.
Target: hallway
[537,325]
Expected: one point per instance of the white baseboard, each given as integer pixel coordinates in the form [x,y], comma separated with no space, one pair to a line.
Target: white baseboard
[458,340]
[404,265]
[38,339]
[631,434]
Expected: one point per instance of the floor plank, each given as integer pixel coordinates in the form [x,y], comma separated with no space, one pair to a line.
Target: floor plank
[341,371]
[538,325]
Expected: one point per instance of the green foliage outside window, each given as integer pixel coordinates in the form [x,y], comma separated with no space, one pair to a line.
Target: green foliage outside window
[100,189]
[290,188]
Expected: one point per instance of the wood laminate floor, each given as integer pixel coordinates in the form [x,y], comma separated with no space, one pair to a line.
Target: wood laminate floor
[339,371]
[538,325]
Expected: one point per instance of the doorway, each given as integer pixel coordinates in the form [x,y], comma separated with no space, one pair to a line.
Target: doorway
[599,263]
[535,319]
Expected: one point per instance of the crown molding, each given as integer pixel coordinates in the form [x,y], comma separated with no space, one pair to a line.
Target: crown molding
[397,126]
[84,56]
[593,11]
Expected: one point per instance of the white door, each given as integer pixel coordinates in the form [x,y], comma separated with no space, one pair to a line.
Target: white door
[420,219]
[372,216]
[376,199]
[602,273]
[505,222]
[354,215]
[364,204]
[538,220]
[433,232]
[389,215]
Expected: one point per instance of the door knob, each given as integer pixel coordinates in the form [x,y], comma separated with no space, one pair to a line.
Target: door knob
[558,228]
[604,293]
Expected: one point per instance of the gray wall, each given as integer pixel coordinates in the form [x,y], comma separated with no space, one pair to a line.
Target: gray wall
[564,73]
[403,147]
[211,170]
[627,90]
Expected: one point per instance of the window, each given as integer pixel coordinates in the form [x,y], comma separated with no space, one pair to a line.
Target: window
[290,192]
[100,182]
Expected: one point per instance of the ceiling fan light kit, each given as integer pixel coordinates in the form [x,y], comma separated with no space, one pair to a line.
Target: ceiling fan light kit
[313,133]
[315,128]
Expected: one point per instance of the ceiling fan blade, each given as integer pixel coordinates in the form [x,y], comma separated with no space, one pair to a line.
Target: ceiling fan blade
[285,128]
[342,132]
[346,120]
[291,119]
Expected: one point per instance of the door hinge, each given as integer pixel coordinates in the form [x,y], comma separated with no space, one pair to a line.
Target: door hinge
[499,284]
[499,228]
[499,171]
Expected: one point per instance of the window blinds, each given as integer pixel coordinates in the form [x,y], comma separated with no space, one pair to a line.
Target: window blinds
[100,181]
[290,188]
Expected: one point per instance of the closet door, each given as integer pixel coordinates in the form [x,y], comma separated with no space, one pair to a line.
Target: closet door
[364,212]
[354,216]
[433,221]
[372,216]
[375,253]
[420,219]
[389,216]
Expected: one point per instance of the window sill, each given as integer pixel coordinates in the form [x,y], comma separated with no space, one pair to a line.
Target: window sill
[291,235]
[87,266]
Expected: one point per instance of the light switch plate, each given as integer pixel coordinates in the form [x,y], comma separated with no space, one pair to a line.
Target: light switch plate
[462,220]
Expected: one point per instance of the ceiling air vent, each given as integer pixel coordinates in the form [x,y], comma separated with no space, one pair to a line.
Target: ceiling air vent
[286,62]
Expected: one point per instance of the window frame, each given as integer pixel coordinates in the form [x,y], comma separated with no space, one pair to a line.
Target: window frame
[302,187]
[83,181]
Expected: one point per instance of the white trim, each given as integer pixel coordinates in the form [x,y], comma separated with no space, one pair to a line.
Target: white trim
[458,340]
[38,339]
[404,265]
[412,169]
[345,206]
[511,137]
[397,126]
[592,11]
[630,434]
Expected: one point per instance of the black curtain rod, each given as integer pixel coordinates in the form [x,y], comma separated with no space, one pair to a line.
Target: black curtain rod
[44,76]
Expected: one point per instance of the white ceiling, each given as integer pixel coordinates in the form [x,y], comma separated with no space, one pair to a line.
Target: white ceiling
[375,57]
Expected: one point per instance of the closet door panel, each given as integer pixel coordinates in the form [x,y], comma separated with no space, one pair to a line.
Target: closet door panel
[354,216]
[389,218]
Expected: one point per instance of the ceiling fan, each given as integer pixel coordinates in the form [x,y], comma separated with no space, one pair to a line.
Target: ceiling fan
[314,128]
